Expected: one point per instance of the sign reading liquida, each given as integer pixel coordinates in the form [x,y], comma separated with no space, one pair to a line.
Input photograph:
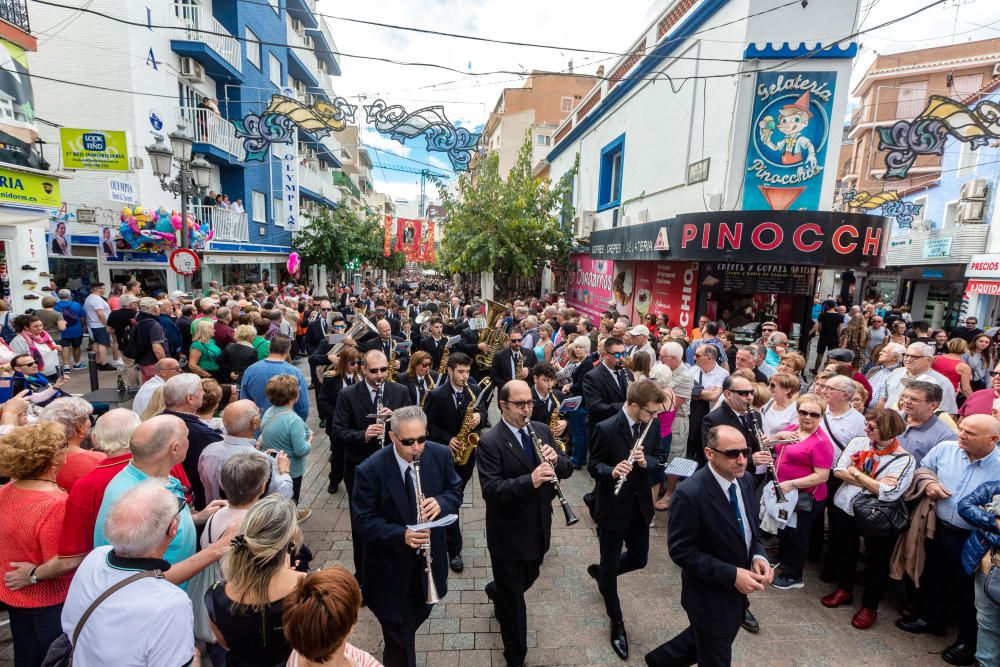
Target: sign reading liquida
[97,150]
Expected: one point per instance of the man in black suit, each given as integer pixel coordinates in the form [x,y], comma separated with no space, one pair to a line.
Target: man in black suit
[507,361]
[446,407]
[624,518]
[712,536]
[360,435]
[386,343]
[605,387]
[384,503]
[518,491]
[435,342]
[546,398]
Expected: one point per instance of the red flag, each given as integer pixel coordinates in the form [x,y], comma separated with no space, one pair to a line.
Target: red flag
[429,245]
[408,237]
[387,242]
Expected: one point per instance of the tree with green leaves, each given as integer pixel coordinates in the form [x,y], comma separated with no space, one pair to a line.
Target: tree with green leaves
[508,226]
[336,237]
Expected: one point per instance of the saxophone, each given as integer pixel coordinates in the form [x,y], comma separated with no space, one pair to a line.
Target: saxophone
[465,436]
[430,387]
[519,366]
[553,423]
[443,366]
[393,371]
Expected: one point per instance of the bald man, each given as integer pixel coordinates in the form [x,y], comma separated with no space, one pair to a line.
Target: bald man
[165,369]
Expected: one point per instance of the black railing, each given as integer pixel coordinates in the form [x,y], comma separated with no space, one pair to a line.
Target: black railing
[15,12]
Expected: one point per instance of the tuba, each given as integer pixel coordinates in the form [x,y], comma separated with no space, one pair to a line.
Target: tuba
[432,593]
[359,325]
[492,334]
[466,436]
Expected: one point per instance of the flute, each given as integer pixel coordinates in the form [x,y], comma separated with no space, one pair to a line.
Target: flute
[631,455]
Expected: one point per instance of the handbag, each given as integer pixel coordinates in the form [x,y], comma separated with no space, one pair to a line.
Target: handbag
[880,518]
[991,585]
[60,653]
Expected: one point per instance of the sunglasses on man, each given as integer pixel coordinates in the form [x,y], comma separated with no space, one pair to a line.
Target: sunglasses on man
[733,454]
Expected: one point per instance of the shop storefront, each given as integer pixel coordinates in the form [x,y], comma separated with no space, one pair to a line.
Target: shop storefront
[242,268]
[747,266]
[982,292]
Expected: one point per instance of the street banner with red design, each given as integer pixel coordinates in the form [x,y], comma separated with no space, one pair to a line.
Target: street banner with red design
[387,242]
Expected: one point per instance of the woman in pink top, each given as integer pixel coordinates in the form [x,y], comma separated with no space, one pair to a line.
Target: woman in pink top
[803,465]
[953,366]
[319,615]
[31,517]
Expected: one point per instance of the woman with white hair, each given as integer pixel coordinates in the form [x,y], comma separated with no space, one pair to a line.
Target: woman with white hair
[890,357]
[74,414]
[580,355]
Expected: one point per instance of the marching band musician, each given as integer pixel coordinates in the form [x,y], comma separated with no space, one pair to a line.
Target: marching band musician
[435,342]
[506,362]
[446,407]
[605,387]
[360,435]
[546,398]
[624,518]
[420,378]
[394,581]
[518,493]
[386,343]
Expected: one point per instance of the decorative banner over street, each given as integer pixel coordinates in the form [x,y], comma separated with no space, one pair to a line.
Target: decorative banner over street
[96,150]
[790,126]
[429,242]
[408,238]
[387,240]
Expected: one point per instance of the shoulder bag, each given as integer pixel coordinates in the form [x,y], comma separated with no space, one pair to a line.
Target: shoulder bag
[991,586]
[880,518]
[60,653]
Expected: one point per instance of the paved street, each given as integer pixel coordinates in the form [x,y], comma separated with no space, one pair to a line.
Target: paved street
[566,620]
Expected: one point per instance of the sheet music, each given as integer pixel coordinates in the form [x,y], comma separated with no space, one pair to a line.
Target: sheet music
[440,522]
[681,467]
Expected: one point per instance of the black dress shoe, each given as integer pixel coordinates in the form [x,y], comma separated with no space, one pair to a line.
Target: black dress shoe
[322,423]
[457,565]
[750,623]
[959,653]
[332,487]
[919,626]
[619,640]
[594,571]
[491,590]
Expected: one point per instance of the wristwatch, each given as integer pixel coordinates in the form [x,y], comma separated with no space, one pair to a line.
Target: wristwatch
[32,577]
[794,483]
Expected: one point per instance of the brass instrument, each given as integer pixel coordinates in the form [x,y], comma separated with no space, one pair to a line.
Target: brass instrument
[430,387]
[466,436]
[519,366]
[631,455]
[432,593]
[393,370]
[359,324]
[571,518]
[772,473]
[553,423]
[443,366]
[422,318]
[491,334]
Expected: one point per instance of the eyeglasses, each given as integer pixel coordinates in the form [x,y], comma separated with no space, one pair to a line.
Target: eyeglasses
[520,405]
[617,355]
[742,392]
[382,369]
[27,365]
[181,504]
[515,340]
[871,427]
[328,310]
[353,363]
[426,364]
[409,442]
[811,415]
[914,356]
[733,453]
[772,385]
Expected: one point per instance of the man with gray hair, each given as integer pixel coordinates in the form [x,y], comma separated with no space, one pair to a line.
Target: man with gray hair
[141,525]
[72,335]
[224,333]
[889,359]
[918,402]
[182,396]
[165,368]
[147,341]
[917,361]
[746,359]
[672,373]
[241,420]
[841,422]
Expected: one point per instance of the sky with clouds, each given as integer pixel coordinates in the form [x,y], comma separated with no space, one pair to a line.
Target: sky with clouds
[564,24]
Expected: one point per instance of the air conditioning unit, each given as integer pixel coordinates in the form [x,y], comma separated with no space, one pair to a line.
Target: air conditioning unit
[970,212]
[136,163]
[643,216]
[996,70]
[974,189]
[192,70]
[584,224]
[298,27]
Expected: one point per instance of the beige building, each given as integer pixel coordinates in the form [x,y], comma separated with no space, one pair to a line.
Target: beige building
[896,87]
[537,107]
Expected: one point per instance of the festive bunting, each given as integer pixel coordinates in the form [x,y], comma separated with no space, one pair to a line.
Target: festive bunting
[442,136]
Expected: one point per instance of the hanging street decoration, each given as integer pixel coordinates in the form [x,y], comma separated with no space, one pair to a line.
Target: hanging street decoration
[906,140]
[890,203]
[442,136]
[283,114]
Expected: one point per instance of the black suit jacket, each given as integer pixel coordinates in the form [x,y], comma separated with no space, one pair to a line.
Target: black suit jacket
[411,385]
[542,411]
[602,394]
[612,441]
[381,511]
[377,343]
[502,371]
[518,516]
[444,420]
[433,348]
[587,365]
[725,415]
[316,334]
[705,541]
[350,418]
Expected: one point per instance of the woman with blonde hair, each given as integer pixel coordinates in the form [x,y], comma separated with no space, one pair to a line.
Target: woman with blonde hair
[155,406]
[952,365]
[210,401]
[246,608]
[779,412]
[237,357]
[543,348]
[855,338]
[203,357]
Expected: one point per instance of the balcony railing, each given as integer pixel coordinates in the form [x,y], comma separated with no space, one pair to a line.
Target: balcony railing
[199,25]
[343,180]
[15,12]
[305,54]
[228,225]
[208,127]
[319,181]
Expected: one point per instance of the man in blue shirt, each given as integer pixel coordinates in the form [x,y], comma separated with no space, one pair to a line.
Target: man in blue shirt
[960,467]
[275,363]
[72,335]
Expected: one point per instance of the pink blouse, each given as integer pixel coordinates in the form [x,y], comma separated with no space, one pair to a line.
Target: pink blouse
[800,459]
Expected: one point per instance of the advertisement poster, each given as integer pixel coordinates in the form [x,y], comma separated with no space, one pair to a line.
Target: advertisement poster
[789,132]
[746,278]
[109,242]
[29,190]
[59,245]
[590,282]
[667,288]
[96,150]
[17,119]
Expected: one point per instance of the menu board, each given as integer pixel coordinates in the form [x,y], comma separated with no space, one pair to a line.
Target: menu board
[742,278]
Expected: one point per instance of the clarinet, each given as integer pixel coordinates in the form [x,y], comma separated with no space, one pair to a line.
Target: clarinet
[571,518]
[378,418]
[758,435]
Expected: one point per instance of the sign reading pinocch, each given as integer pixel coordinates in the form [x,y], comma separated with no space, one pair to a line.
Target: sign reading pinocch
[184,261]
[97,150]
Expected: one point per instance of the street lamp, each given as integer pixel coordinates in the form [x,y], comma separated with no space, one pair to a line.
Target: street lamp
[193,174]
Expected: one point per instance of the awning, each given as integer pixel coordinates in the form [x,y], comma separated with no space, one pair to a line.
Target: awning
[990,287]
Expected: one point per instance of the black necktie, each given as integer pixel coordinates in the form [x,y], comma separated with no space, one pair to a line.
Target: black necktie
[622,382]
[411,494]
[420,384]
[527,447]
[636,429]
[514,359]
[458,399]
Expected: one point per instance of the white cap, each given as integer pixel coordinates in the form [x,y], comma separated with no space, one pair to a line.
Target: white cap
[638,330]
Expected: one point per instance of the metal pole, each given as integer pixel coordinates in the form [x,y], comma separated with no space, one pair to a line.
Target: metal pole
[185,178]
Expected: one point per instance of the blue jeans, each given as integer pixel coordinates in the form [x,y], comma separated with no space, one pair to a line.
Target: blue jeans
[33,630]
[578,430]
[988,619]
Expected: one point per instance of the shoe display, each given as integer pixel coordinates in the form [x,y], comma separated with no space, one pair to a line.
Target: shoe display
[29,267]
[837,598]
[619,640]
[30,297]
[29,283]
[750,623]
[45,274]
[864,619]
[456,563]
[784,583]
[918,626]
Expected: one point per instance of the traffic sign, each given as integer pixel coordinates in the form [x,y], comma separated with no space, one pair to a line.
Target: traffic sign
[184,261]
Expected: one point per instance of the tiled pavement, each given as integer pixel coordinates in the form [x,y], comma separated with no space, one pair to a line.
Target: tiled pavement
[566,619]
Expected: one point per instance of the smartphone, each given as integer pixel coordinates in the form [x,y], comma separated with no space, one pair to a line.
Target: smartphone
[273,453]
